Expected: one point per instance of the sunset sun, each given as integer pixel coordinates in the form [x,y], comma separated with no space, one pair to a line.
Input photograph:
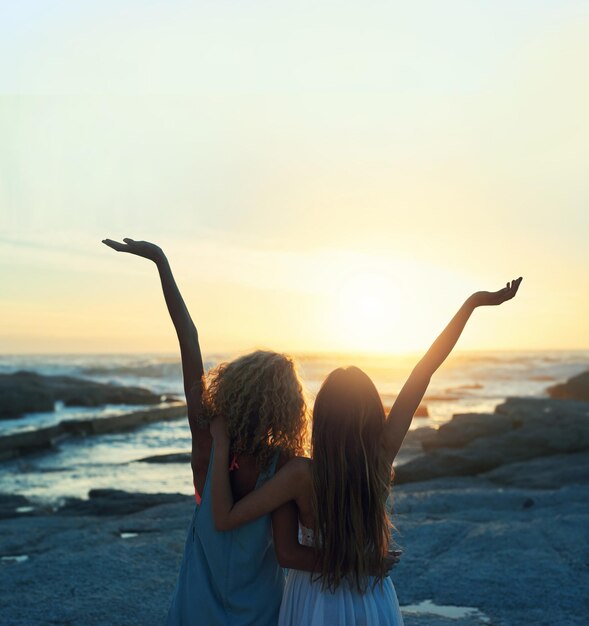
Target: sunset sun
[366,311]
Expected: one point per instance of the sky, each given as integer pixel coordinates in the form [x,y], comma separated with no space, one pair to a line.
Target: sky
[323,176]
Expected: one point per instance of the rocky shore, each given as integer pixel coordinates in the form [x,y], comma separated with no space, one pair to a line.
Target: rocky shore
[24,392]
[521,429]
[20,443]
[512,556]
[29,392]
[493,518]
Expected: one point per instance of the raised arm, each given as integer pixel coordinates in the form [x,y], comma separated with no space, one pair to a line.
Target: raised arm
[192,365]
[406,403]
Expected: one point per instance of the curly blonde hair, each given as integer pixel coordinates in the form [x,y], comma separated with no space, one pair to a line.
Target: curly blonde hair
[261,397]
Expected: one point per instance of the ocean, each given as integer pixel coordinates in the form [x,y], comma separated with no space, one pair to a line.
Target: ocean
[466,382]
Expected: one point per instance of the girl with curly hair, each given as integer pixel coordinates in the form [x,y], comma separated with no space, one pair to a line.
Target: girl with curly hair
[341,491]
[234,578]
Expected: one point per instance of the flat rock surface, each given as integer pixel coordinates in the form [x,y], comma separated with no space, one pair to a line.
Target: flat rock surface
[493,520]
[516,555]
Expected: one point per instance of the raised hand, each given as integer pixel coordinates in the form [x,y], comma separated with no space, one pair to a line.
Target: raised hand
[140,248]
[413,390]
[192,365]
[493,298]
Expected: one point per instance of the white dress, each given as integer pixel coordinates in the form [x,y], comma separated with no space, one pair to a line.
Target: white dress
[304,603]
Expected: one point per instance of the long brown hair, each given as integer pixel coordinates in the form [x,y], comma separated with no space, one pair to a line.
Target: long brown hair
[261,396]
[351,480]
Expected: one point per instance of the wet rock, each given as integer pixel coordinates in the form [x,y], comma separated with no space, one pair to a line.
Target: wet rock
[576,388]
[27,392]
[175,457]
[29,441]
[25,398]
[10,503]
[125,421]
[25,442]
[116,502]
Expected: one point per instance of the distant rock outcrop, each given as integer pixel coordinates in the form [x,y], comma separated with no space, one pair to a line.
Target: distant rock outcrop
[28,392]
[575,388]
[520,429]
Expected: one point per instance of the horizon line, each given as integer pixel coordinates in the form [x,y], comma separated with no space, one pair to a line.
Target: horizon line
[302,353]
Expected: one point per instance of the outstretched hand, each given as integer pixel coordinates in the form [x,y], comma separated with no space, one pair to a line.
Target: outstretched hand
[140,248]
[493,298]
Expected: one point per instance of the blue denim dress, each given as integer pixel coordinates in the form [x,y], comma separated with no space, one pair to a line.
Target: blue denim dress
[229,578]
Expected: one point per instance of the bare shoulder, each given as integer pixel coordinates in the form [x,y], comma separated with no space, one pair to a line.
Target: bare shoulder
[294,462]
[296,467]
[301,471]
[294,476]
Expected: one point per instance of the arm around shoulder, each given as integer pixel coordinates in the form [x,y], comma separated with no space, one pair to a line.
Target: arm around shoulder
[227,513]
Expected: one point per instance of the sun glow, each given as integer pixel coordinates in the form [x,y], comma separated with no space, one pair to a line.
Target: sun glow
[367,311]
[383,303]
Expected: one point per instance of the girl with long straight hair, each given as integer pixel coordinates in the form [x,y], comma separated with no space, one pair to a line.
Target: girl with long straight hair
[341,492]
